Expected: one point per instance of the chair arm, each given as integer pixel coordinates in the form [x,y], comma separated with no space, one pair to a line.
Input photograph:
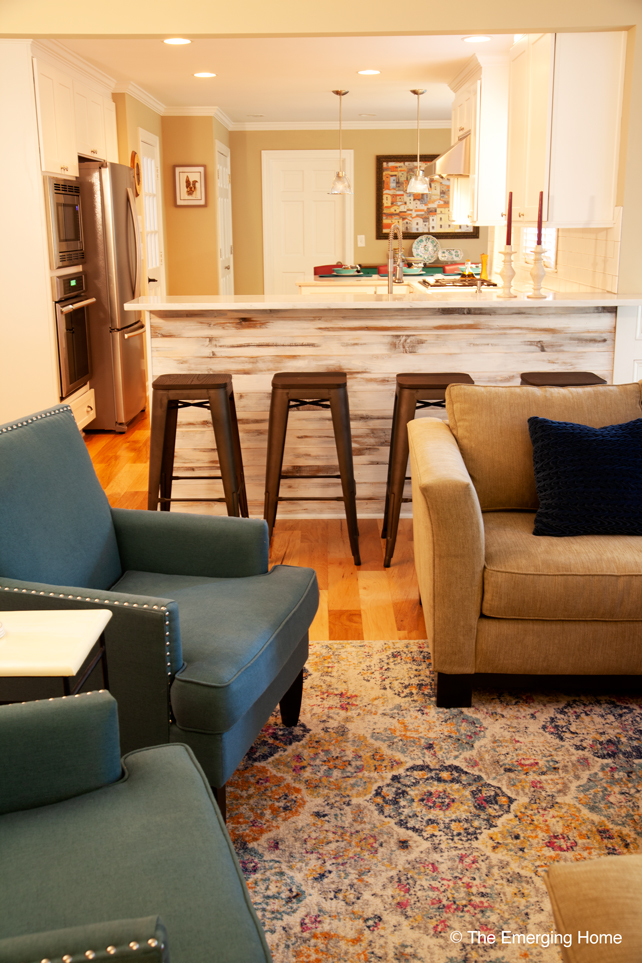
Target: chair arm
[449,544]
[143,644]
[57,749]
[142,939]
[181,544]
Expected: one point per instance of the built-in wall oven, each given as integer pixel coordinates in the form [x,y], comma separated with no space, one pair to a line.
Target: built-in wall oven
[64,214]
[72,325]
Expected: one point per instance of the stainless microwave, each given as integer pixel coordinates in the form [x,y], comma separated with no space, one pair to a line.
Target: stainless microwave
[64,214]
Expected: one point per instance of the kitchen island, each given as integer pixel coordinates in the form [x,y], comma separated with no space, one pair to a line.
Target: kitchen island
[372,337]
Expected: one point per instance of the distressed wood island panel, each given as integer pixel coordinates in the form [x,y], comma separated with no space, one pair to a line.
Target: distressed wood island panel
[491,344]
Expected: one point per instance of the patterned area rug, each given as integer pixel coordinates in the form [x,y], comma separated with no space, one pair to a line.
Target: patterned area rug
[383,829]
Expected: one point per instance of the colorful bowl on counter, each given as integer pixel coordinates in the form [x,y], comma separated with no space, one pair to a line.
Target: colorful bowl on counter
[451,254]
[344,271]
[413,270]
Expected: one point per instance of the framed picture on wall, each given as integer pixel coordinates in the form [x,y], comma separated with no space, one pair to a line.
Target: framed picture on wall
[189,183]
[416,214]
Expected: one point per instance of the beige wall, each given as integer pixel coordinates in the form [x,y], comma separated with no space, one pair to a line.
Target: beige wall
[191,233]
[246,147]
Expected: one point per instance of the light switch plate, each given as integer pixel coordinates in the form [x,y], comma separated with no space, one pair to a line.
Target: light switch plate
[361,240]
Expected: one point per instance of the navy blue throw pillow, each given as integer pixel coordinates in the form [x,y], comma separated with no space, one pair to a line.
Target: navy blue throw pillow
[589,480]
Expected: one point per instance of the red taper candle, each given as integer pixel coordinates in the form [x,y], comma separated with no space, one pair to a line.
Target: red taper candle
[509,219]
[539,217]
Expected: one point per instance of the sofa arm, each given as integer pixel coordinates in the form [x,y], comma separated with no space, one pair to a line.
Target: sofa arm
[143,645]
[53,750]
[141,939]
[181,544]
[600,897]
[449,545]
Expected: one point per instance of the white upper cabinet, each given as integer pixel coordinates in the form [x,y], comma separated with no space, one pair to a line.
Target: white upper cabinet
[73,118]
[565,104]
[480,111]
[56,127]
[90,121]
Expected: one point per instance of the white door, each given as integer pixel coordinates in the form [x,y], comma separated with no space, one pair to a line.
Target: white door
[224,215]
[303,224]
[152,217]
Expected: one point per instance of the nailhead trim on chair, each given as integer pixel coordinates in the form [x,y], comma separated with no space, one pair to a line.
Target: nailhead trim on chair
[47,414]
[80,598]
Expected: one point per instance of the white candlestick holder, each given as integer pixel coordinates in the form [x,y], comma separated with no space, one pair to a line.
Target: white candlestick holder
[507,273]
[538,272]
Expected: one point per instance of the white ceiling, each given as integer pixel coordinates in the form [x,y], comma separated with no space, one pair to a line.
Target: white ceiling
[290,79]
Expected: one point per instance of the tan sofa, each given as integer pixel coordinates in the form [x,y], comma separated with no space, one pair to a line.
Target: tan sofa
[496,598]
[597,907]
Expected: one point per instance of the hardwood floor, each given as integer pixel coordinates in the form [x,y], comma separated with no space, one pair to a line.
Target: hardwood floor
[368,602]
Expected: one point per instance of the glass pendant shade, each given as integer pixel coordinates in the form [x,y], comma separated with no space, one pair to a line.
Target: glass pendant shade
[418,183]
[341,184]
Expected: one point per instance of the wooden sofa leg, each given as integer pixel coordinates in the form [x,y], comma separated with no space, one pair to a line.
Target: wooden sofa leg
[220,796]
[454,691]
[290,704]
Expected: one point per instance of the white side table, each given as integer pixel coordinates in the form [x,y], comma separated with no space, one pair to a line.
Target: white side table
[53,643]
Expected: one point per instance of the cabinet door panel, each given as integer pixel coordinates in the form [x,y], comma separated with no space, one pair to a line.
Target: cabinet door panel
[540,89]
[518,124]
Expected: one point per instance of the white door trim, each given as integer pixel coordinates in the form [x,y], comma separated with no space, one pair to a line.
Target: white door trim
[268,213]
[221,148]
[154,141]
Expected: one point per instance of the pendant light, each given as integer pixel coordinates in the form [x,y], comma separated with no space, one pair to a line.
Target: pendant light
[340,184]
[418,183]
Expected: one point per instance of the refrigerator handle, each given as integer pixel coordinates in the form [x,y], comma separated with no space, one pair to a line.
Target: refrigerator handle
[132,211]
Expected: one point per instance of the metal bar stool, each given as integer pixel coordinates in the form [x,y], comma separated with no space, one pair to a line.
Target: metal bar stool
[560,379]
[322,389]
[210,391]
[413,391]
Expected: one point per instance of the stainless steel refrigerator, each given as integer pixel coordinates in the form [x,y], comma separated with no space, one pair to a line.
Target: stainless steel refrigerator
[113,265]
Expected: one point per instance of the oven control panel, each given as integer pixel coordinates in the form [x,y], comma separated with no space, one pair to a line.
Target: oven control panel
[68,286]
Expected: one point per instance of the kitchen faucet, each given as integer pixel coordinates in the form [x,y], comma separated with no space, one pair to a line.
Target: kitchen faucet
[396,260]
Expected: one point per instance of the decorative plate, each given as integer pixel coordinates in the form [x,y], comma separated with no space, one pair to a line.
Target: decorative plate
[427,247]
[135,164]
[451,254]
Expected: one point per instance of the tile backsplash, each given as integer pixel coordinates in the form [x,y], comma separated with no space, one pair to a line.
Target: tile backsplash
[587,259]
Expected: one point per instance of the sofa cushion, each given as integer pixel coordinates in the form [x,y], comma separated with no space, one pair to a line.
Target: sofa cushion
[581,577]
[491,428]
[589,480]
[151,844]
[236,635]
[55,520]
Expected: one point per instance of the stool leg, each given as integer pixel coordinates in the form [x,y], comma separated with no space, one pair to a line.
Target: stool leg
[405,412]
[238,458]
[222,424]
[156,447]
[169,448]
[384,527]
[275,446]
[343,439]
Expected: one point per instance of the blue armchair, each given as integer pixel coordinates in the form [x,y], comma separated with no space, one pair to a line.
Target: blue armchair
[204,642]
[105,859]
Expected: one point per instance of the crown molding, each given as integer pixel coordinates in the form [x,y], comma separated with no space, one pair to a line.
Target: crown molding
[347,125]
[57,54]
[473,67]
[140,94]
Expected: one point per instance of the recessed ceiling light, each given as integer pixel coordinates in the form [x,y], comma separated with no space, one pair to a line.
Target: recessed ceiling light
[367,115]
[204,73]
[476,39]
[177,40]
[368,72]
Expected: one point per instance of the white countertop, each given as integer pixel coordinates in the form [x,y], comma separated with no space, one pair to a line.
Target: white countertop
[418,298]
